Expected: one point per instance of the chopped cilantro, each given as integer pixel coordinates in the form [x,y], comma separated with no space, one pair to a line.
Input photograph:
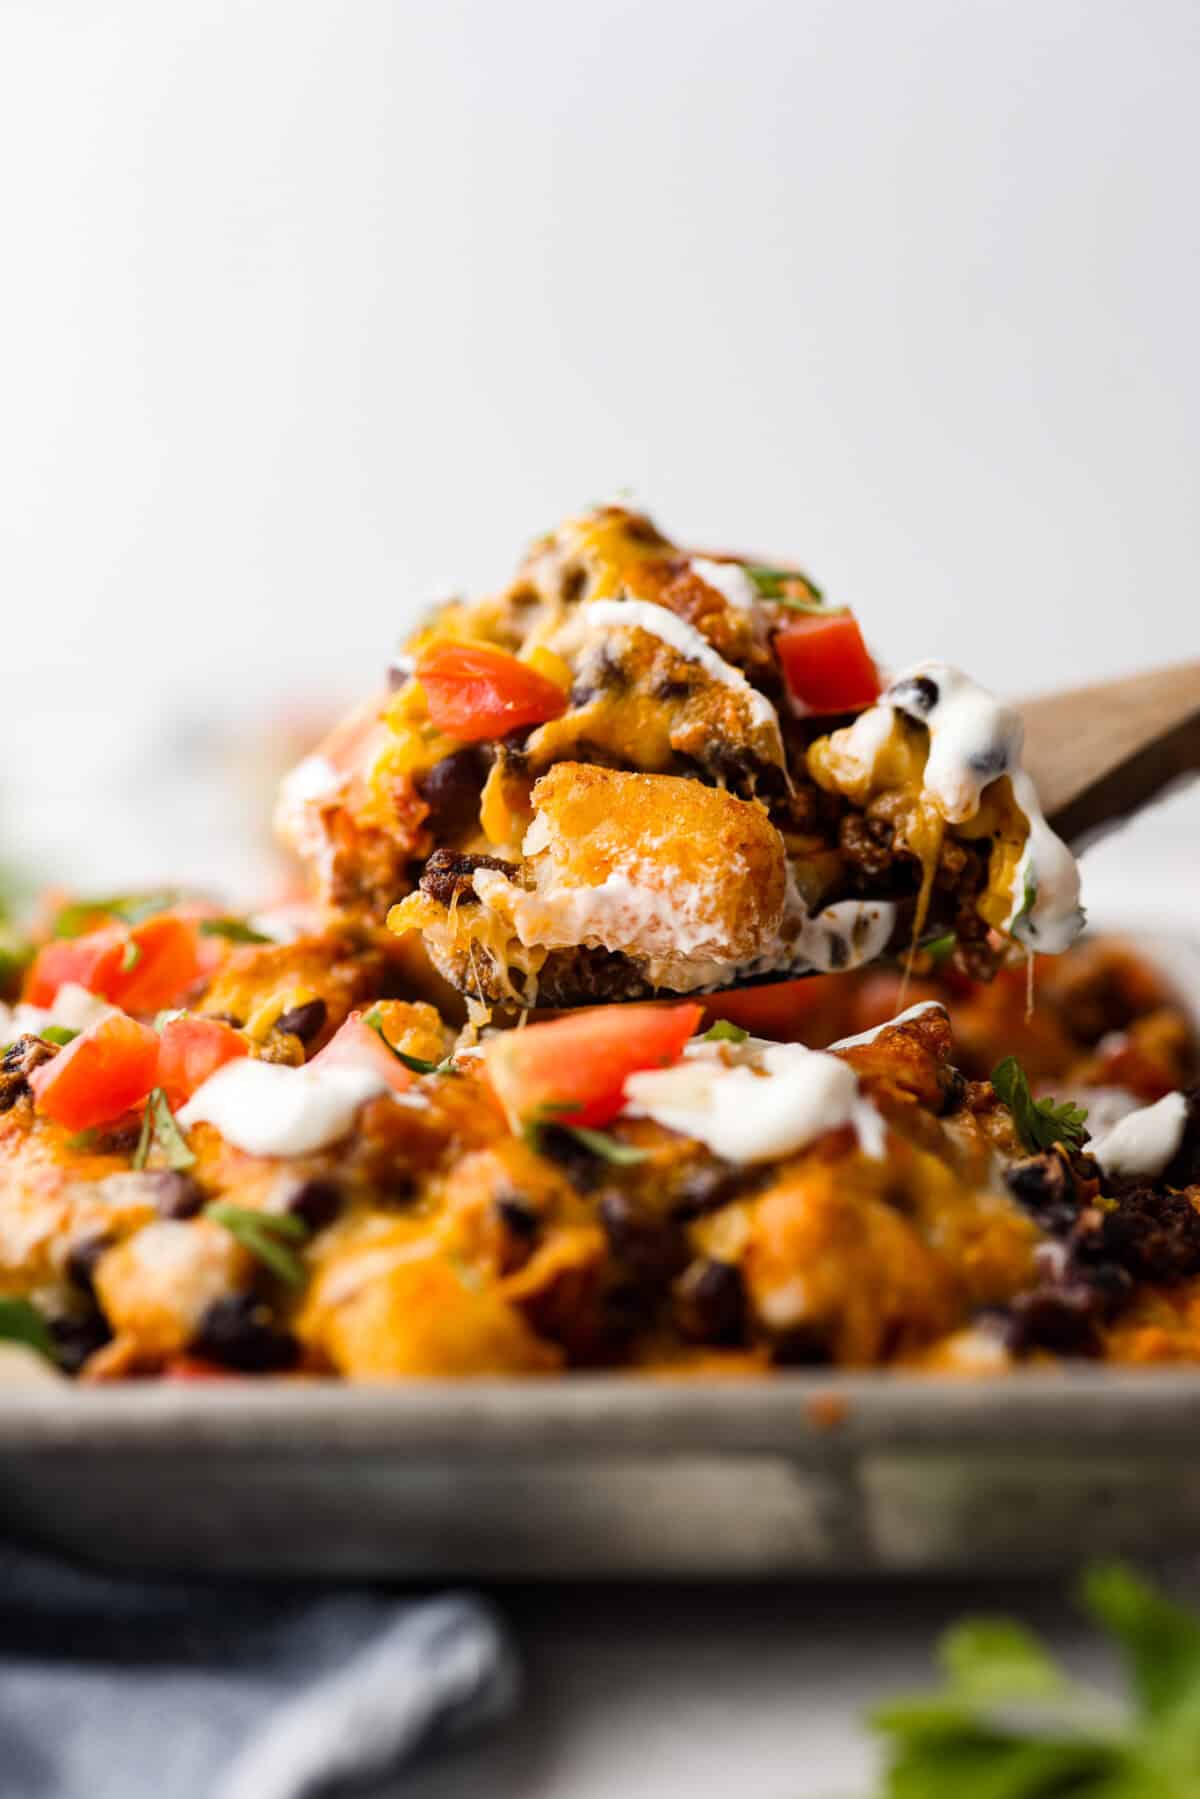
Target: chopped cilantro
[772,584]
[418,1064]
[234,930]
[21,1322]
[597,1143]
[267,1235]
[159,1130]
[606,1146]
[940,949]
[1009,1721]
[57,1033]
[1039,1122]
[131,955]
[724,1032]
[81,916]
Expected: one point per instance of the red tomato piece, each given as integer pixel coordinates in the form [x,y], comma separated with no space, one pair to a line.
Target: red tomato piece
[194,1367]
[356,1045]
[166,966]
[89,961]
[190,1049]
[142,969]
[106,1070]
[474,691]
[575,1068]
[826,664]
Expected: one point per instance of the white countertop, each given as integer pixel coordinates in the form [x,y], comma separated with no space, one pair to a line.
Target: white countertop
[638,1691]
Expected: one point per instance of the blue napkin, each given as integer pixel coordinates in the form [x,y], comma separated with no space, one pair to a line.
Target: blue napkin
[111,1689]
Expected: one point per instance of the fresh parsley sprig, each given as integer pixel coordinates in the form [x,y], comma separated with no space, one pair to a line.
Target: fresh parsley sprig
[1039,1122]
[1008,1721]
[268,1236]
[160,1131]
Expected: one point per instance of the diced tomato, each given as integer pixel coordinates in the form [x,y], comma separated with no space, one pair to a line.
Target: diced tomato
[106,1070]
[88,961]
[575,1068]
[148,966]
[826,664]
[194,1367]
[474,691]
[192,1048]
[356,1045]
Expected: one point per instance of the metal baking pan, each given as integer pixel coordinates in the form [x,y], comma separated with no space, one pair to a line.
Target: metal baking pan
[797,1473]
[590,1476]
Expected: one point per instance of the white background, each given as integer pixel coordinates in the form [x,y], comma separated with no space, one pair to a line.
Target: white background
[311,309]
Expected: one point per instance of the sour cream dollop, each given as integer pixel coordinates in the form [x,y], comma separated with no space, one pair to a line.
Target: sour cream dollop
[973,740]
[753,1101]
[269,1109]
[1144,1143]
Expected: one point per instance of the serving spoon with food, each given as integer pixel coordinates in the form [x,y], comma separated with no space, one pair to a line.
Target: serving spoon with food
[1099,754]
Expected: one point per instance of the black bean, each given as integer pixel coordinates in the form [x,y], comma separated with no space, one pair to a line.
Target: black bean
[17,1064]
[77,1338]
[706,1188]
[317,1201]
[648,1247]
[953,1085]
[451,790]
[710,1303]
[1045,1188]
[586,1169]
[175,1194]
[919,694]
[990,762]
[305,1022]
[240,1331]
[82,1258]
[519,1216]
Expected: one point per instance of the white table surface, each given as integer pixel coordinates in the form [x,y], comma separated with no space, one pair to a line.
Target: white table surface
[707,1692]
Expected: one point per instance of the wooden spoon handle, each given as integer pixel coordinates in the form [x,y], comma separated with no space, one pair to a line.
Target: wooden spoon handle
[1098,754]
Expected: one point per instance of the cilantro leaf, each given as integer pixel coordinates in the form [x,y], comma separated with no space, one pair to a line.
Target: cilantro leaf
[1008,1723]
[267,1235]
[21,1322]
[1039,1122]
[131,955]
[417,1064]
[159,1130]
[234,930]
[553,1116]
[81,916]
[57,1033]
[940,949]
[1160,1641]
[772,584]
[606,1146]
[724,1032]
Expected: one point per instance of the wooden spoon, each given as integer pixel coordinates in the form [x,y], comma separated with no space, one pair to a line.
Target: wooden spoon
[1098,754]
